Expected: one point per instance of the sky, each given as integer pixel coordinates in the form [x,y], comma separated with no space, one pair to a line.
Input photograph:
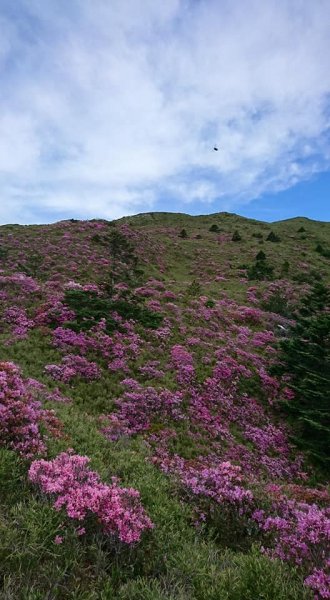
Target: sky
[113,107]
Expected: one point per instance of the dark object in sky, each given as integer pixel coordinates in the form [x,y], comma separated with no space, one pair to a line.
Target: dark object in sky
[215,148]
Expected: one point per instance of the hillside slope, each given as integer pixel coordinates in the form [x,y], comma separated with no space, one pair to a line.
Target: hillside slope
[146,344]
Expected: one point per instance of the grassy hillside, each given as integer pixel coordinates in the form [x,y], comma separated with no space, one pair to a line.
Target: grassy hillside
[147,344]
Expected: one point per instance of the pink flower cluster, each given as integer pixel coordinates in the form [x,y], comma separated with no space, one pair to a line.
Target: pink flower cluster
[53,312]
[319,581]
[150,370]
[139,407]
[20,280]
[82,494]
[269,438]
[66,338]
[220,481]
[299,533]
[73,366]
[16,316]
[21,415]
[182,361]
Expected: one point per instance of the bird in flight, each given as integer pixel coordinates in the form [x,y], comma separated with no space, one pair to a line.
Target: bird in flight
[215,148]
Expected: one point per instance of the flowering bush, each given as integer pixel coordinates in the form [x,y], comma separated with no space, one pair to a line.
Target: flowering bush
[67,338]
[299,533]
[319,582]
[21,416]
[20,281]
[73,366]
[220,481]
[16,316]
[183,363]
[53,313]
[80,491]
[138,408]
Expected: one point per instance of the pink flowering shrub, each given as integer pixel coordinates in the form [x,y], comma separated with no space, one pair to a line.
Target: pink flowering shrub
[68,339]
[319,581]
[20,281]
[183,364]
[299,533]
[217,490]
[53,313]
[17,317]
[220,481]
[118,364]
[81,493]
[138,408]
[73,366]
[21,416]
[150,370]
[269,438]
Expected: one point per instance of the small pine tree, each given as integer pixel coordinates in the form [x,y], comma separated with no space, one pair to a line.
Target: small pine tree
[323,251]
[236,237]
[194,288]
[261,269]
[214,228]
[261,256]
[272,237]
[123,259]
[3,252]
[285,268]
[301,230]
[183,234]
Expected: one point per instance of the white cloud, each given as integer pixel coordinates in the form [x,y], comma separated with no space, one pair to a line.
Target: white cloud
[108,107]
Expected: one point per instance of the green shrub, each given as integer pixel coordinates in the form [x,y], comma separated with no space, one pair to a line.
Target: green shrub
[323,251]
[272,237]
[261,269]
[236,237]
[209,303]
[261,256]
[277,303]
[90,308]
[194,289]
[310,277]
[3,253]
[285,268]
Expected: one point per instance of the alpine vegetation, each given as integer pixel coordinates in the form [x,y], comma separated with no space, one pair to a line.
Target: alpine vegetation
[164,409]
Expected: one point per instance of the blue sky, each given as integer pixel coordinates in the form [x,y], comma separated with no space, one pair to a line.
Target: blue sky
[113,108]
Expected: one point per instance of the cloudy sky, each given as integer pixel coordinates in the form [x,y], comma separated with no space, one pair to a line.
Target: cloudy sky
[113,107]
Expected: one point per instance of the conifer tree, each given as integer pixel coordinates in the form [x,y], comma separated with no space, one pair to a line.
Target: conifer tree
[236,237]
[261,269]
[305,355]
[272,237]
